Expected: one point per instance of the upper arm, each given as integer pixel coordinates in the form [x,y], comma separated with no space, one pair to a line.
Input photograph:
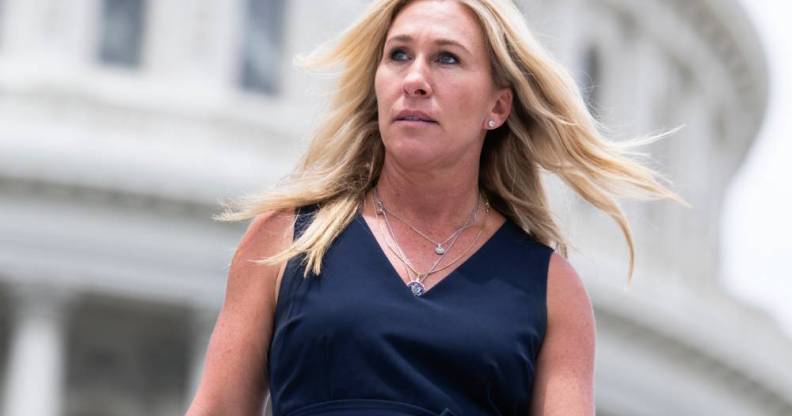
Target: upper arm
[564,381]
[234,376]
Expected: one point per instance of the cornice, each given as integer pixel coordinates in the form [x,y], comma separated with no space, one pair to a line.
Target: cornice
[107,196]
[715,30]
[727,28]
[109,241]
[677,349]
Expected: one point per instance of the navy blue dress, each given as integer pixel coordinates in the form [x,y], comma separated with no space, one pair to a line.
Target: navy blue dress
[356,341]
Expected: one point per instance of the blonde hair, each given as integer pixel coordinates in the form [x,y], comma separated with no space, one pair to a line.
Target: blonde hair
[549,128]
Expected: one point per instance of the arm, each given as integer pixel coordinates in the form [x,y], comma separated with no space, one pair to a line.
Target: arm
[234,378]
[564,383]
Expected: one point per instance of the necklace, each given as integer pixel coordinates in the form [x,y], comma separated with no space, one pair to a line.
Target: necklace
[416,285]
[439,246]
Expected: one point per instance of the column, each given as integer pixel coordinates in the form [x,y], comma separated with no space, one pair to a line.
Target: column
[34,378]
[194,43]
[48,30]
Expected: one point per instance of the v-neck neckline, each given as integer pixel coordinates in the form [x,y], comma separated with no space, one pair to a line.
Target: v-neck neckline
[391,269]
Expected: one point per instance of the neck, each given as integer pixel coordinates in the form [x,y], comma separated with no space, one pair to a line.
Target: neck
[436,199]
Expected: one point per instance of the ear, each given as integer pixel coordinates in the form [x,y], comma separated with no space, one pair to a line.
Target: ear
[501,108]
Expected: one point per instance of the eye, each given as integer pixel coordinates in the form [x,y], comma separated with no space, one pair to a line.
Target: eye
[447,58]
[398,54]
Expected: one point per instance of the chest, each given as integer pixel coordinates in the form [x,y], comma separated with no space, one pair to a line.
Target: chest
[356,331]
[482,314]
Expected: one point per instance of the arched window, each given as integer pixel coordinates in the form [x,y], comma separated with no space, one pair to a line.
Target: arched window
[121,32]
[262,46]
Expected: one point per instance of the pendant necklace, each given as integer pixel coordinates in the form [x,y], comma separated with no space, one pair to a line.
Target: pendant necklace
[440,247]
[416,285]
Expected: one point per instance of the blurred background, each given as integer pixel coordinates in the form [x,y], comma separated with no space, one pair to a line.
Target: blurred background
[124,122]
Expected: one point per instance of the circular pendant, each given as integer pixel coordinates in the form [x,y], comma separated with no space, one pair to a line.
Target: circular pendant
[439,250]
[417,288]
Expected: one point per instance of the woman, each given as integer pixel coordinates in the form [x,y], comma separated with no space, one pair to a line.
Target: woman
[427,170]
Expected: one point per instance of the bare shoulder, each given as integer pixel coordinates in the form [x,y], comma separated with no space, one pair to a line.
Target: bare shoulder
[565,288]
[564,381]
[233,380]
[266,235]
[569,308]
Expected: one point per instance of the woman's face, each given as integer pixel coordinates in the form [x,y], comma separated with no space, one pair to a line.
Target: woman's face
[436,68]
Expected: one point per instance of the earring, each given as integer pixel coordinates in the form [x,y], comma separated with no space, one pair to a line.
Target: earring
[491,124]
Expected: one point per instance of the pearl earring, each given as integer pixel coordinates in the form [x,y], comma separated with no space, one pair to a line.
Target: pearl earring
[491,124]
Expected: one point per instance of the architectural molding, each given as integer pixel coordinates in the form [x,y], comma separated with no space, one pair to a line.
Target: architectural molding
[109,178]
[113,196]
[714,31]
[690,358]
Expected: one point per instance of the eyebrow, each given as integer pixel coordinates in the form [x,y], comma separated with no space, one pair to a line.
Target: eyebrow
[442,41]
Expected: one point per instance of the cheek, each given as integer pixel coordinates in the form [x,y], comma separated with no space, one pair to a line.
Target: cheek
[384,82]
[387,89]
[468,104]
[381,91]
[377,80]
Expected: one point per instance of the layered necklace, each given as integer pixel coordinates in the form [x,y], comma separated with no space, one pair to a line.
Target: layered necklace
[441,249]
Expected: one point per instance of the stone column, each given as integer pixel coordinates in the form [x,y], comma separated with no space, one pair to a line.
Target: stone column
[34,378]
[48,31]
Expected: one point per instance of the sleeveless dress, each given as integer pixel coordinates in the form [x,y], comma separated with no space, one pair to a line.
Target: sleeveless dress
[355,340]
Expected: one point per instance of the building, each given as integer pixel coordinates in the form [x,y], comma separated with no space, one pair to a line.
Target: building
[124,122]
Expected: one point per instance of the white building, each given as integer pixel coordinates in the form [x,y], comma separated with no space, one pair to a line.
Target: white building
[122,122]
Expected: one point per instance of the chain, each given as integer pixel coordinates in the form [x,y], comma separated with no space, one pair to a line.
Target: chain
[439,249]
[399,253]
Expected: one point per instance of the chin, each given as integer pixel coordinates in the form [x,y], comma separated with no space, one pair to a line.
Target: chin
[410,143]
[411,151]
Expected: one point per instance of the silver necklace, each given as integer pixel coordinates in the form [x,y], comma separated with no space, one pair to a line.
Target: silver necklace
[416,285]
[439,246]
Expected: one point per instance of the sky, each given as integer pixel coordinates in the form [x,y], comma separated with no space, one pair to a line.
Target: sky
[757,220]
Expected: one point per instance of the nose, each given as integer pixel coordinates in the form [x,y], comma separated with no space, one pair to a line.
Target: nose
[416,80]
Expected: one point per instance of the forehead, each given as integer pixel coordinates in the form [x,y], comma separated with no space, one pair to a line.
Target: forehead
[433,19]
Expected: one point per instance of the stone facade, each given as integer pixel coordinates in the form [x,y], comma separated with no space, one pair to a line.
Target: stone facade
[125,121]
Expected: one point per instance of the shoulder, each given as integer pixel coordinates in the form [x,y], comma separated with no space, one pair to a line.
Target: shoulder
[565,369]
[570,314]
[562,274]
[567,297]
[232,376]
[266,235]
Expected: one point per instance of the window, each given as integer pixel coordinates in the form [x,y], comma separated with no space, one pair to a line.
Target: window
[592,77]
[121,33]
[262,46]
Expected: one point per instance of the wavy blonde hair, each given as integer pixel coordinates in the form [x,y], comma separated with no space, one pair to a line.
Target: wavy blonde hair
[549,128]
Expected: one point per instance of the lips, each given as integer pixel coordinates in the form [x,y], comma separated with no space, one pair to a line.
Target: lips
[414,116]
